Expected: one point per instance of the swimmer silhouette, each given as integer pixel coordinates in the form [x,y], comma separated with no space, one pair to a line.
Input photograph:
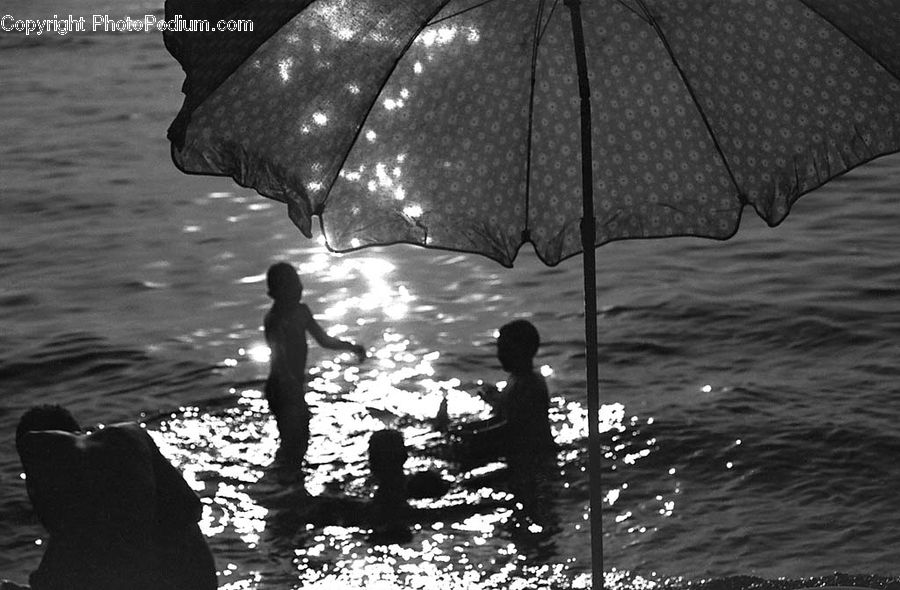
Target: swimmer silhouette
[388,514]
[118,514]
[519,430]
[286,325]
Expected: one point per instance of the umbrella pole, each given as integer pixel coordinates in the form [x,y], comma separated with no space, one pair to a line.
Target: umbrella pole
[588,233]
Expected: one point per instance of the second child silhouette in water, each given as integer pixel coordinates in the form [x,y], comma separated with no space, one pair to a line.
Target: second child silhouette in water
[286,325]
[520,427]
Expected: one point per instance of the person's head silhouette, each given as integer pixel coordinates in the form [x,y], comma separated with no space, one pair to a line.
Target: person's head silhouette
[284,283]
[46,417]
[517,344]
[387,454]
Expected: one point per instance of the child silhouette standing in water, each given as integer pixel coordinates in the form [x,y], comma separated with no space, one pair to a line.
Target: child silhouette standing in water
[520,427]
[286,326]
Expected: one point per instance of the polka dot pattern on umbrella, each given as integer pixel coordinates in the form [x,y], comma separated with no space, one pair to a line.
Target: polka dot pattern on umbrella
[699,109]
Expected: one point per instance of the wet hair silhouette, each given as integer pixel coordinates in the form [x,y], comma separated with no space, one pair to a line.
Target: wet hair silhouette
[387,454]
[46,417]
[517,344]
[283,282]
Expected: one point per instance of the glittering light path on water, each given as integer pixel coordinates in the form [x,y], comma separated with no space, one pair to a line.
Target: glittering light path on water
[479,533]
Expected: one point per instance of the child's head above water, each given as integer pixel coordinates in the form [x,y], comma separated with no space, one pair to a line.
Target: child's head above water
[284,282]
[517,344]
[387,453]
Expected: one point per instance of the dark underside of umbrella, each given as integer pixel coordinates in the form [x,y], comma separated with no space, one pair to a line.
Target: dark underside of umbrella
[455,124]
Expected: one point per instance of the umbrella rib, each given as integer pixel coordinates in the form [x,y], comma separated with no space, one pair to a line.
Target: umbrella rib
[637,13]
[815,163]
[455,14]
[865,50]
[535,42]
[662,37]
[547,22]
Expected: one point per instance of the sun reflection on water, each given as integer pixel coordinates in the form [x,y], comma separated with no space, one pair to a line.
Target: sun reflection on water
[226,450]
[481,533]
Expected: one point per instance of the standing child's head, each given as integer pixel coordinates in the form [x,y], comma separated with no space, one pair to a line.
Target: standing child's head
[517,344]
[284,283]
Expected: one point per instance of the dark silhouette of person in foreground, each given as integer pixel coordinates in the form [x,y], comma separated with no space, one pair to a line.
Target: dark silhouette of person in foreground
[118,514]
[519,430]
[286,325]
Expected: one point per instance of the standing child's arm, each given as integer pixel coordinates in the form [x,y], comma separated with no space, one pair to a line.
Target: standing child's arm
[326,341]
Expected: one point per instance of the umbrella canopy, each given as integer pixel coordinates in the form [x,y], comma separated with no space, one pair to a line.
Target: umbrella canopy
[481,125]
[455,124]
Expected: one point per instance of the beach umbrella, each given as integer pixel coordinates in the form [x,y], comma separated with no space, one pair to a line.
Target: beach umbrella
[482,125]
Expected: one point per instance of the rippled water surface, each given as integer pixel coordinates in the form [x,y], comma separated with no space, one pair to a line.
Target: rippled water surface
[750,387]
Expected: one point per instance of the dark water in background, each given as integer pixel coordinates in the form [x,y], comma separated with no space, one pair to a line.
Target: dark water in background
[750,387]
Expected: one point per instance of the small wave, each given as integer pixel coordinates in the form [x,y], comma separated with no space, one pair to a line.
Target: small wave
[78,369]
[13,300]
[780,455]
[737,330]
[67,356]
[140,286]
[20,41]
[54,206]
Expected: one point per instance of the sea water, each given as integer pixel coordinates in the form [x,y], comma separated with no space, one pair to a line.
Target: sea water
[750,387]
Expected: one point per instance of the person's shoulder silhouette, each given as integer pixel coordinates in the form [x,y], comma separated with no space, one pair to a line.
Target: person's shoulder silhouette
[115,509]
